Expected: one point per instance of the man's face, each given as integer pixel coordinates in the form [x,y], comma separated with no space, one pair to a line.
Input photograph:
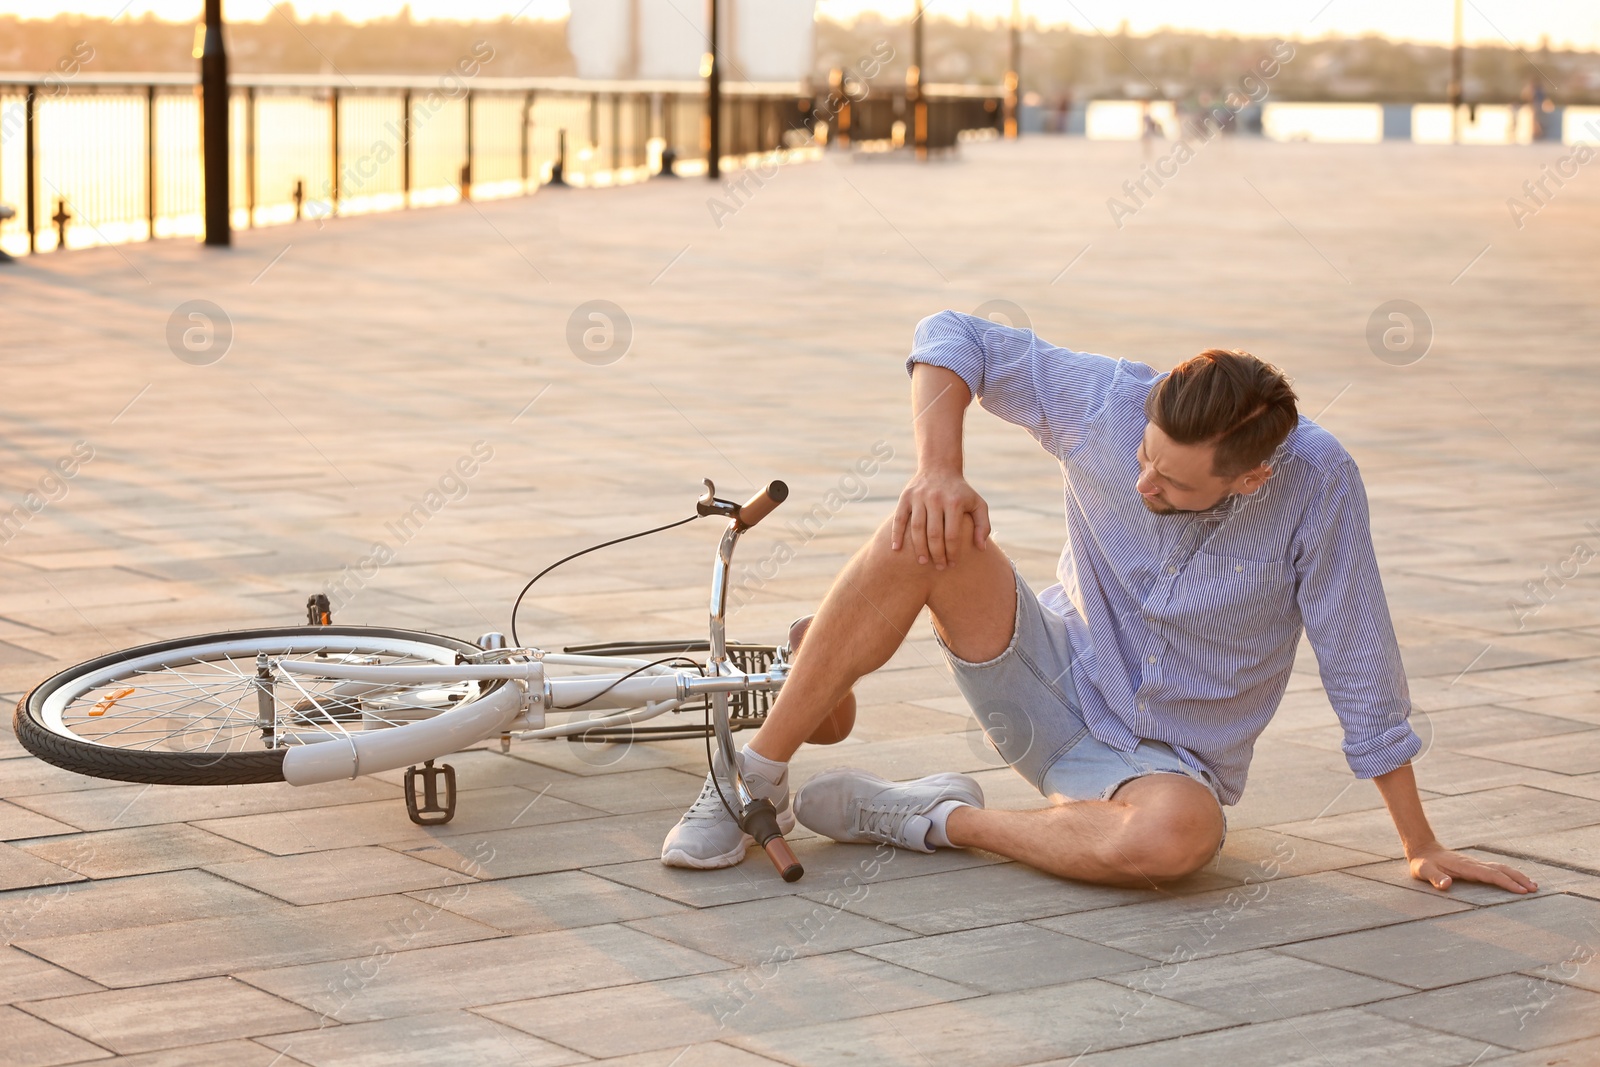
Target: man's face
[1174,477]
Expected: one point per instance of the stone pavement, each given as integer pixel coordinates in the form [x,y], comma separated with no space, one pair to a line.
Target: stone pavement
[265,924]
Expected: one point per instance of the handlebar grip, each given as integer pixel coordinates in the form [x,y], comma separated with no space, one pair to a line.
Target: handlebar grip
[783,858]
[760,506]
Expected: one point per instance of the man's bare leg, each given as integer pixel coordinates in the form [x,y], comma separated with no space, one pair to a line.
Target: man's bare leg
[1156,828]
[866,616]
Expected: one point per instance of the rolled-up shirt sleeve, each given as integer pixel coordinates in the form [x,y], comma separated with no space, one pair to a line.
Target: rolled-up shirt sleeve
[1052,392]
[1341,600]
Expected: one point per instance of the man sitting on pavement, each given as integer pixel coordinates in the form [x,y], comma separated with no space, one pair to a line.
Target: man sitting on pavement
[1208,523]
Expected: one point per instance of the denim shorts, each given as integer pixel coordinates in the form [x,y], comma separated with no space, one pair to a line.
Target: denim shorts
[1027,703]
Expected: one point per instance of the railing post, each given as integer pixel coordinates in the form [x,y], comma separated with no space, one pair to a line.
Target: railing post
[616,133]
[527,123]
[466,168]
[150,160]
[31,162]
[405,148]
[914,98]
[214,118]
[250,153]
[333,184]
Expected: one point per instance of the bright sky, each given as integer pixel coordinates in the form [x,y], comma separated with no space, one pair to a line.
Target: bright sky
[1523,22]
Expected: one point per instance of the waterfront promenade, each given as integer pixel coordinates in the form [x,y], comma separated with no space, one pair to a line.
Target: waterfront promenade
[765,339]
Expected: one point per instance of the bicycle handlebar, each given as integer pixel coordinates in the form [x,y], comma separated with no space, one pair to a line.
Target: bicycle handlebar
[760,506]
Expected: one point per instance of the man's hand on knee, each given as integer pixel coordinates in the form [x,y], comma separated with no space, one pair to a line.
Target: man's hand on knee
[935,509]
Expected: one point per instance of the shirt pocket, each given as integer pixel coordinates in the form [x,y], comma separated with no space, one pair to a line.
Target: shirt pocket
[1231,600]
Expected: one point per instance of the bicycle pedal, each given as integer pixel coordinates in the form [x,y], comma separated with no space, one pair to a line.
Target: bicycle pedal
[430,812]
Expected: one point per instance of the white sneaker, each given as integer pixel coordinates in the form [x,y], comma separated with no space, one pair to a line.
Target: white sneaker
[708,836]
[855,806]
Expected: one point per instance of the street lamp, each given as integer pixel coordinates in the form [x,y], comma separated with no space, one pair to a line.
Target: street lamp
[1014,74]
[712,69]
[1456,80]
[214,126]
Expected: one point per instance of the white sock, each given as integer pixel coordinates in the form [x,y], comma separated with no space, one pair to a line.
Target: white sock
[771,770]
[937,818]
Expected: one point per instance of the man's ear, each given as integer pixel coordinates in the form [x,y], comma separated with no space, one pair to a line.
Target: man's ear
[1255,479]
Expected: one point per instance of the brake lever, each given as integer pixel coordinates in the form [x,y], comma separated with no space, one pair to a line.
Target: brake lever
[710,504]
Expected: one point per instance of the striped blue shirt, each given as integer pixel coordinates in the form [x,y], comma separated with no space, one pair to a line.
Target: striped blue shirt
[1184,626]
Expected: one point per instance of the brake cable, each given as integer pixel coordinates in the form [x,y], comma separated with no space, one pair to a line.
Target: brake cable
[515,640]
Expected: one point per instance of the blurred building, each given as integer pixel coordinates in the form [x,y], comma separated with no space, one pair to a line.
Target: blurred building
[763,40]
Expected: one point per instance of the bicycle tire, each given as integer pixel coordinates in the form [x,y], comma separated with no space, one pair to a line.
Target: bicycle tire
[182,768]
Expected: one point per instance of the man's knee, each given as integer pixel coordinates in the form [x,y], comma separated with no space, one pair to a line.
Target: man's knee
[1165,841]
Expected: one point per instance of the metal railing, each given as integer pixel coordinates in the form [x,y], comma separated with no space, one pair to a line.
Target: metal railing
[116,158]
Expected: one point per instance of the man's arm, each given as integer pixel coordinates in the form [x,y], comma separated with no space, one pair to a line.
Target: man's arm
[1347,621]
[1431,861]
[933,501]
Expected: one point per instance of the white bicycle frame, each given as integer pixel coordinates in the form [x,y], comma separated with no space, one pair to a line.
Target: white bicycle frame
[637,690]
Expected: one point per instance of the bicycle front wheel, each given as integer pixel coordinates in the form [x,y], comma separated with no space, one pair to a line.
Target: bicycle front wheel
[215,710]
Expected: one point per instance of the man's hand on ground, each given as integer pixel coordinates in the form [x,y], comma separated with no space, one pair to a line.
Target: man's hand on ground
[929,516]
[1441,867]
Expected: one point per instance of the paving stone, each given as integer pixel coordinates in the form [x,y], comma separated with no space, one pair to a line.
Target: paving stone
[25,776]
[138,850]
[338,874]
[659,789]
[240,1053]
[1484,820]
[1335,1038]
[1006,958]
[484,768]
[1559,754]
[453,1037]
[25,977]
[1233,920]
[1453,949]
[1262,855]
[19,823]
[1513,1011]
[999,1029]
[1256,986]
[271,936]
[109,806]
[712,1054]
[19,870]
[979,896]
[1582,707]
[85,907]
[31,1042]
[539,903]
[831,868]
[755,931]
[478,811]
[1575,1054]
[166,1016]
[685,1011]
[1578,849]
[423,979]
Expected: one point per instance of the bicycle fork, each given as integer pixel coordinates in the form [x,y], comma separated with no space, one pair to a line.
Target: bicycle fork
[756,816]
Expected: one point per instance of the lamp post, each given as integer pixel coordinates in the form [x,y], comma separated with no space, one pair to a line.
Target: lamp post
[914,97]
[214,126]
[1014,74]
[713,72]
[1456,80]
